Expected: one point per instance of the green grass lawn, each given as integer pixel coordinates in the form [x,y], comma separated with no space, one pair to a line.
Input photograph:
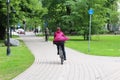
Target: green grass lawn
[19,60]
[102,45]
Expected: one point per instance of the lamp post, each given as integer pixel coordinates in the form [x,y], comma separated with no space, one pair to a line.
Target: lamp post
[8,35]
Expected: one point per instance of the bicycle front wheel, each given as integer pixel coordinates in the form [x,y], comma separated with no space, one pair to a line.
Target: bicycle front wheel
[62,59]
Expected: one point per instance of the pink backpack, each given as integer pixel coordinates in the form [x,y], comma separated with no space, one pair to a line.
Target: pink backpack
[59,36]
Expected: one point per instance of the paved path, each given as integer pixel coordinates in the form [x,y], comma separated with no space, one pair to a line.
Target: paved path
[77,67]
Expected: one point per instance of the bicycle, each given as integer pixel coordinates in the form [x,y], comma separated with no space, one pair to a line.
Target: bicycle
[61,54]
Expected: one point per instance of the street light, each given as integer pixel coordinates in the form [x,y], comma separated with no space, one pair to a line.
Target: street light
[8,35]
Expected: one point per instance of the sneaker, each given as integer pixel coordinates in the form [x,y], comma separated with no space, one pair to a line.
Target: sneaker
[64,58]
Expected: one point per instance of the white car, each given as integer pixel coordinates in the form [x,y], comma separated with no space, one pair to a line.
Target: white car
[20,31]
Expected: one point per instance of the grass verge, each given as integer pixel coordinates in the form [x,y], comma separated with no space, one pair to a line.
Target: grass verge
[19,60]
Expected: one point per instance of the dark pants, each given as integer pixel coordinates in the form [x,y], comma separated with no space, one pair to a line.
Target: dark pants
[46,37]
[62,46]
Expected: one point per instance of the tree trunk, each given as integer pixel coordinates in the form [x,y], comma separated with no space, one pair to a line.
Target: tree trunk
[2,32]
[86,37]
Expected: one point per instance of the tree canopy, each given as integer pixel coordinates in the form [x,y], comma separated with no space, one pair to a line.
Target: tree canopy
[29,11]
[71,15]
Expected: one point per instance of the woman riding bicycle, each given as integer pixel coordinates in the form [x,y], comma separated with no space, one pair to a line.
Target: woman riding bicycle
[59,40]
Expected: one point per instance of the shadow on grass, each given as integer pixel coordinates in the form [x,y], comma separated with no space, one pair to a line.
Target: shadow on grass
[77,40]
[83,40]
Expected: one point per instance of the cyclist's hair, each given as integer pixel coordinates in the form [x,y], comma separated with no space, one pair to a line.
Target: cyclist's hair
[58,28]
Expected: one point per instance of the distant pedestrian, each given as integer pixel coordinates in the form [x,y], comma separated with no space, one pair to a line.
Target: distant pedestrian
[36,31]
[59,40]
[46,34]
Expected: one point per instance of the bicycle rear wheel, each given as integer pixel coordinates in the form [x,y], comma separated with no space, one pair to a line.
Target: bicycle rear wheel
[61,54]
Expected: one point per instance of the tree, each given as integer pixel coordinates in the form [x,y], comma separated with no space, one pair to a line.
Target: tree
[2,19]
[73,14]
[31,10]
[112,15]
[56,9]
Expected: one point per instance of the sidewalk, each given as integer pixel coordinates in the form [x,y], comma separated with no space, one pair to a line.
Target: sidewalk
[77,67]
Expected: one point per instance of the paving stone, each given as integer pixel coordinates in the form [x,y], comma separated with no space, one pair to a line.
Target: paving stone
[78,66]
